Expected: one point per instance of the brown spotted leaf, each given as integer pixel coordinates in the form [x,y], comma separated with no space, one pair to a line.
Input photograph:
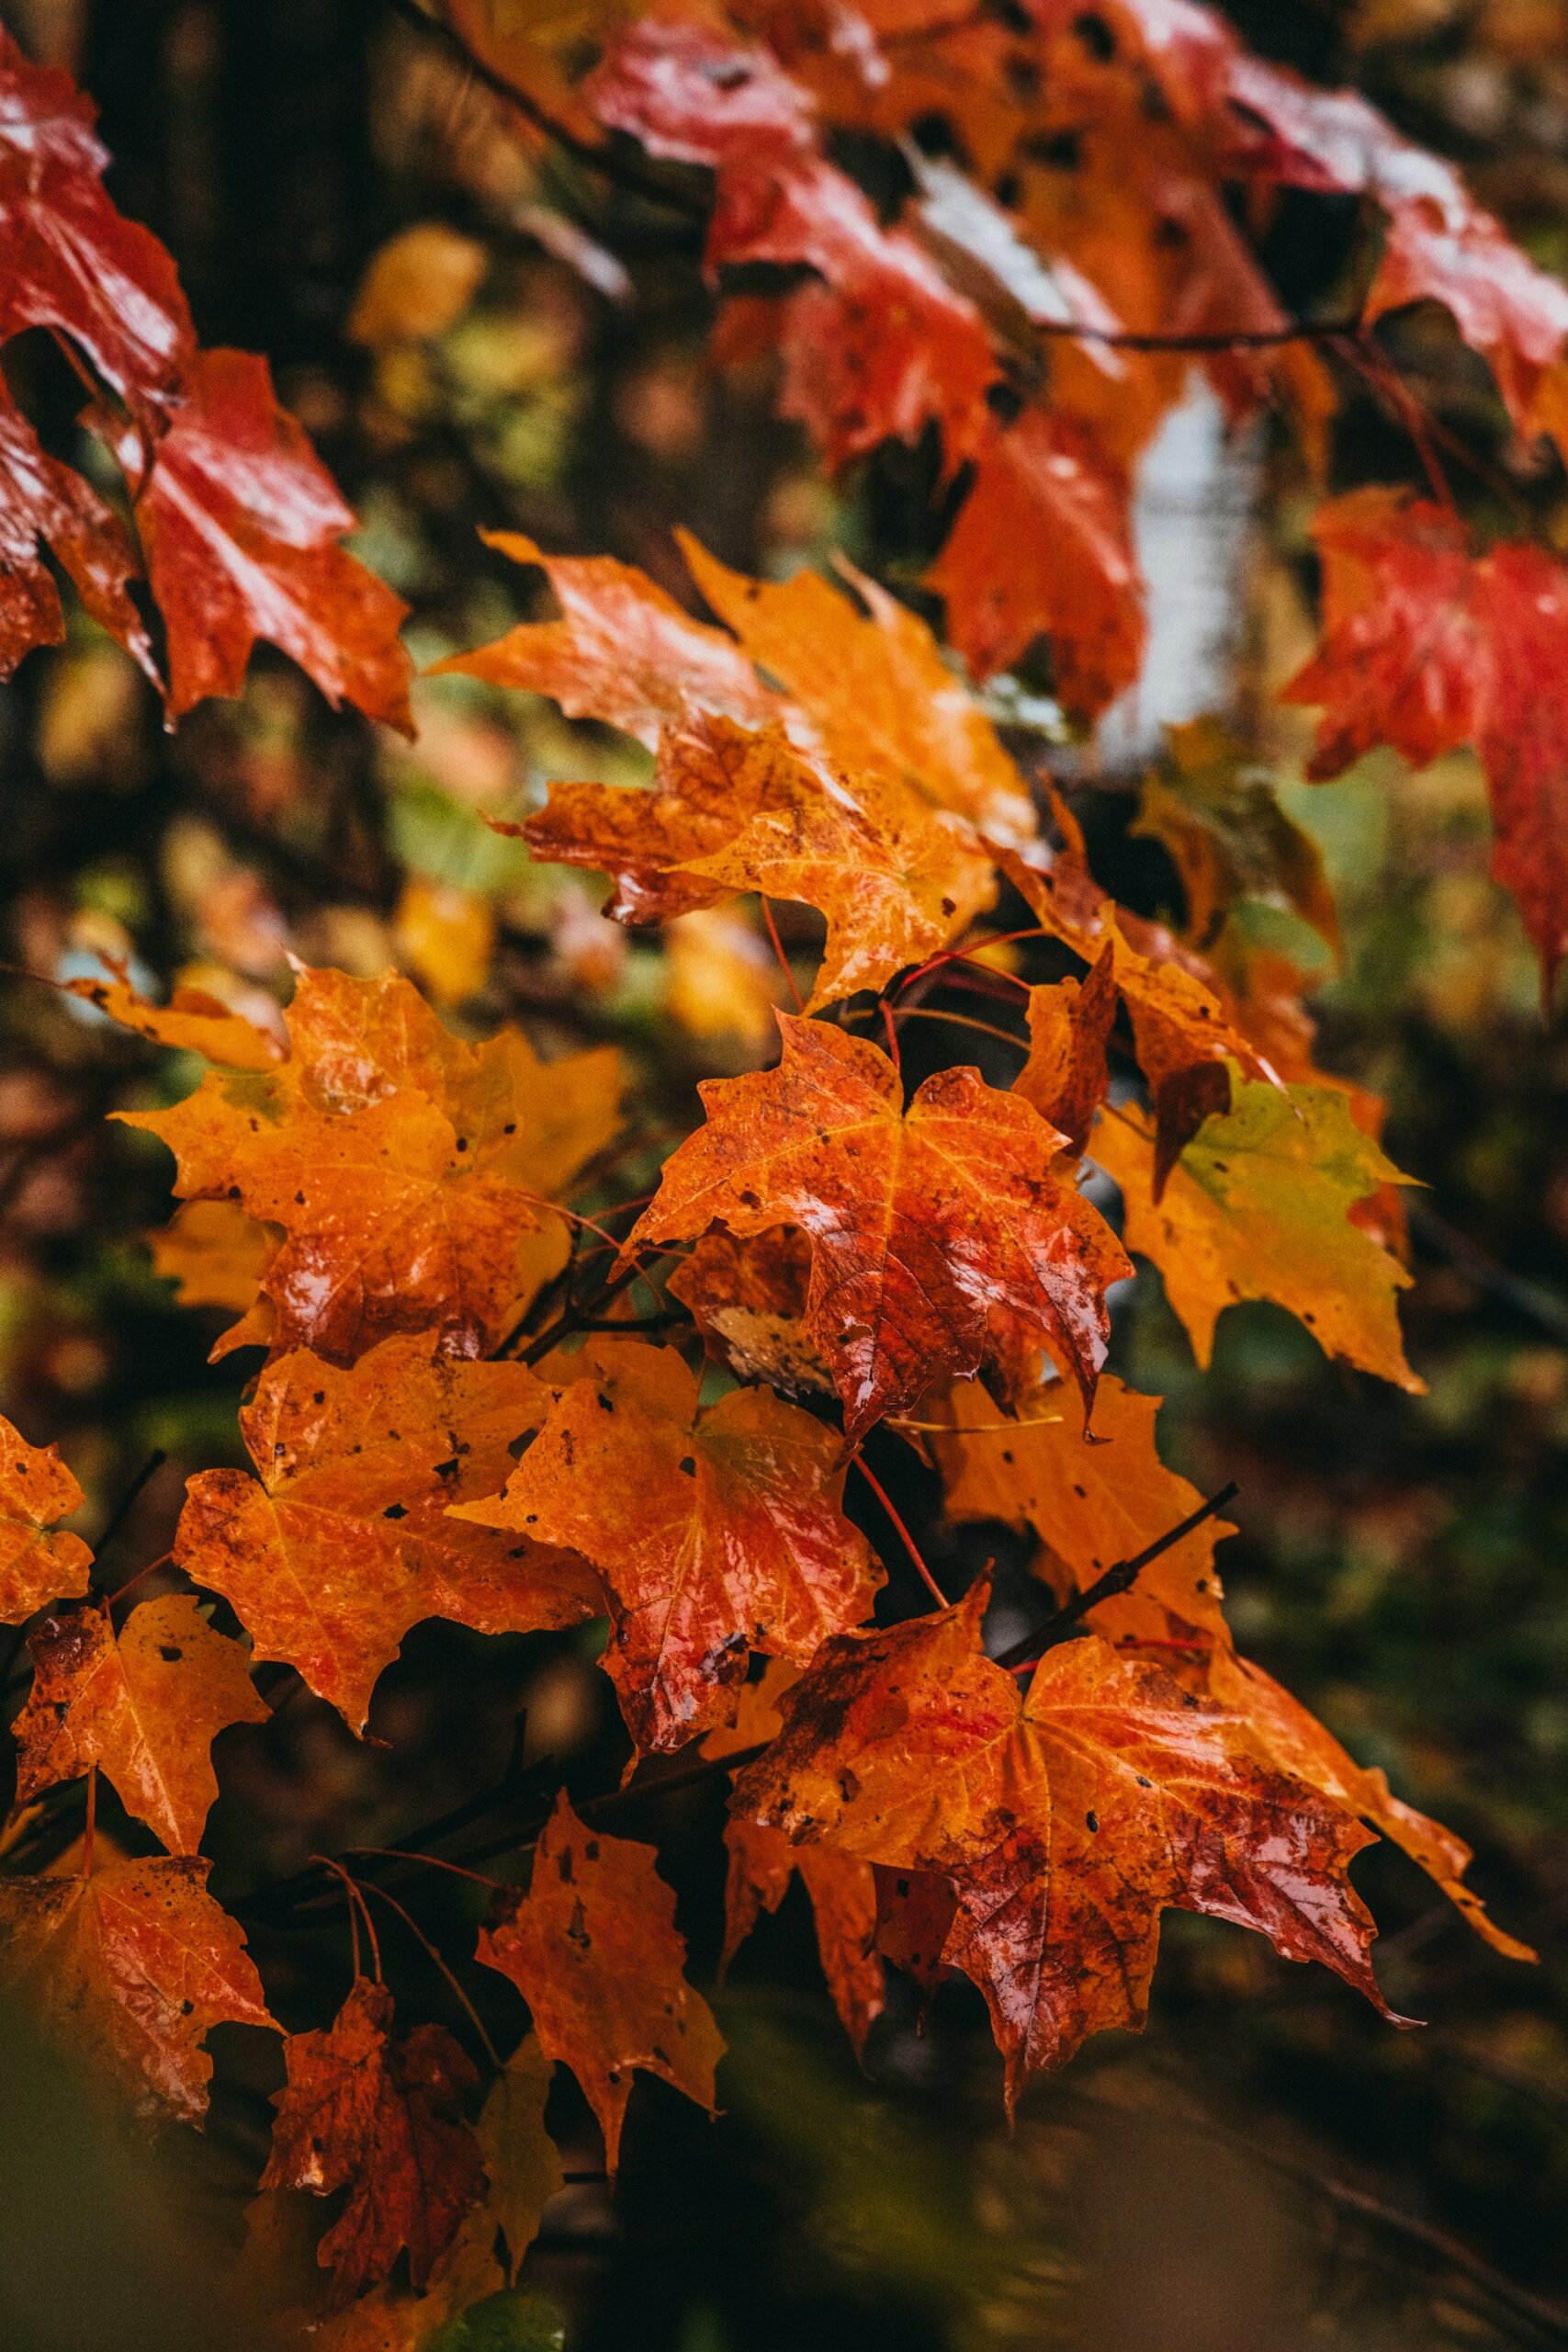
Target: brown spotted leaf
[130,1969]
[345,1540]
[144,1704]
[1068,1817]
[594,1949]
[380,2116]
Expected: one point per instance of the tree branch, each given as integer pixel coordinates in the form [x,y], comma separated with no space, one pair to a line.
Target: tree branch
[623,165]
[1119,1578]
[1252,339]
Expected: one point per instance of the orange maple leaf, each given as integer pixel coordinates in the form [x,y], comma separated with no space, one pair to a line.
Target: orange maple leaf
[760,1862]
[410,1172]
[594,1949]
[716,1532]
[346,1541]
[130,1969]
[36,1565]
[1089,1505]
[940,1236]
[1067,1818]
[145,1705]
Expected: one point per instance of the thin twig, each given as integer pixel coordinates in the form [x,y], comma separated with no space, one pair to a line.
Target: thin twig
[962,1021]
[356,1904]
[913,1549]
[420,1937]
[1119,1578]
[432,1862]
[163,1560]
[784,965]
[121,1510]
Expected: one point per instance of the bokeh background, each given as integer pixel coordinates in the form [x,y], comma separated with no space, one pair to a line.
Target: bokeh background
[1271,2168]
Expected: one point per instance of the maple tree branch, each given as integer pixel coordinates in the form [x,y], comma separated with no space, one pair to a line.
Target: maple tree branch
[1248,339]
[123,1509]
[623,165]
[1119,1578]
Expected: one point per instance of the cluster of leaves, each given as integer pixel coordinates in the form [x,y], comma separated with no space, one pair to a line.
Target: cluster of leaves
[479,1402]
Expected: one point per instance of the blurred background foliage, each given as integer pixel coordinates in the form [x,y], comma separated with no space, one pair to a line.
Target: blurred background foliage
[481,335]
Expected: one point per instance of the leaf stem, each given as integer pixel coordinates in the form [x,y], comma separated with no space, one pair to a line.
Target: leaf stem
[913,1549]
[432,1862]
[354,1896]
[785,964]
[962,1021]
[420,1937]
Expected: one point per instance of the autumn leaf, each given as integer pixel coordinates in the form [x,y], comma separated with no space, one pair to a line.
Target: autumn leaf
[1427,648]
[382,2117]
[410,1172]
[346,1541]
[594,1949]
[68,258]
[241,524]
[1292,1740]
[760,1863]
[520,2157]
[875,688]
[722,981]
[1258,1206]
[623,650]
[882,344]
[896,884]
[43,503]
[748,1299]
[192,1021]
[37,1564]
[736,810]
[1182,1033]
[130,1969]
[1067,1818]
[915,1911]
[712,776]
[940,1236]
[1227,835]
[1066,1075]
[213,1253]
[144,1704]
[1042,549]
[1439,245]
[716,1532]
[690,92]
[1090,1504]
